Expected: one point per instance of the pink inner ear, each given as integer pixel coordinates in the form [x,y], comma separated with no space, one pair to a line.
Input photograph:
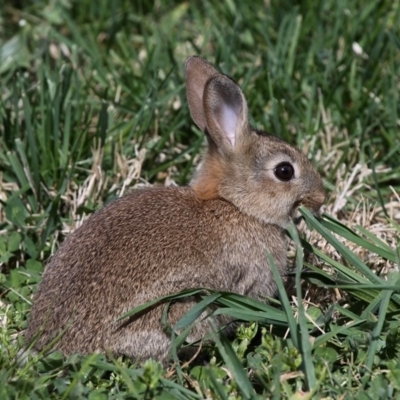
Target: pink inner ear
[228,122]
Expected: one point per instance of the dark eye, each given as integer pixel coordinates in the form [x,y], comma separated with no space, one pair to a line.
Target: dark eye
[284,172]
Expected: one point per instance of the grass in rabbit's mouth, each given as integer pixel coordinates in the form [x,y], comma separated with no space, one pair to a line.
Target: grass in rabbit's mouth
[92,103]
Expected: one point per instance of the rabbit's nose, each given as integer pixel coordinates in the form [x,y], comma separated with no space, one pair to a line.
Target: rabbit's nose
[319,198]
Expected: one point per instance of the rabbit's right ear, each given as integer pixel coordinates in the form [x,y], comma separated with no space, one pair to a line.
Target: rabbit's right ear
[225,108]
[216,103]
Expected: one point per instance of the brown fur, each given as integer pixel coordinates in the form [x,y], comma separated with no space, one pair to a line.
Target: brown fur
[206,185]
[158,241]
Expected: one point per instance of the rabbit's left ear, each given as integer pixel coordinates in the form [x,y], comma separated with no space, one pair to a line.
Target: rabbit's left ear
[198,72]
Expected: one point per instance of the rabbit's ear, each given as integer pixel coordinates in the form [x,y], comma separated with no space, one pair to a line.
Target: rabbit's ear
[225,109]
[198,72]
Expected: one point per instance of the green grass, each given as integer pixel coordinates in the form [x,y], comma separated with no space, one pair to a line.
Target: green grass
[92,102]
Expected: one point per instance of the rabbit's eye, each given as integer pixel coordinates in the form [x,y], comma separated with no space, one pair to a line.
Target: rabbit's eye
[284,172]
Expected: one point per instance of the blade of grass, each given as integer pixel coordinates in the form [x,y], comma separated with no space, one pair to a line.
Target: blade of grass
[219,389]
[249,315]
[305,348]
[285,302]
[196,311]
[346,252]
[347,233]
[163,299]
[383,310]
[337,330]
[233,363]
[178,391]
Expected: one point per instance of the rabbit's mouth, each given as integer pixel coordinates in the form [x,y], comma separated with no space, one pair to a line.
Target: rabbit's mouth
[314,207]
[314,204]
[294,211]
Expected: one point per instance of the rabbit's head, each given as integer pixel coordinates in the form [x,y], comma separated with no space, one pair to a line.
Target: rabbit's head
[260,174]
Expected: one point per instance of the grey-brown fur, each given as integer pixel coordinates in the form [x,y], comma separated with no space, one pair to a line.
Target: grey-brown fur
[158,241]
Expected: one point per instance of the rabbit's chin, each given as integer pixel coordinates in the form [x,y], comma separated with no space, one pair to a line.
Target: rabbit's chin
[283,220]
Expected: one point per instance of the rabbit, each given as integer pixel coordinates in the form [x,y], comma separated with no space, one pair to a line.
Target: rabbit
[157,241]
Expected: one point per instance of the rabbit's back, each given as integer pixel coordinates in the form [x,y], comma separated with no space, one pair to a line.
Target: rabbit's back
[149,243]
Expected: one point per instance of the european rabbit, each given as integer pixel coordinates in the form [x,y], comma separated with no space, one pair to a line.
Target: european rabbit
[157,241]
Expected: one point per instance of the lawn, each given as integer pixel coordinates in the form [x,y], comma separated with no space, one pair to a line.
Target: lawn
[93,104]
